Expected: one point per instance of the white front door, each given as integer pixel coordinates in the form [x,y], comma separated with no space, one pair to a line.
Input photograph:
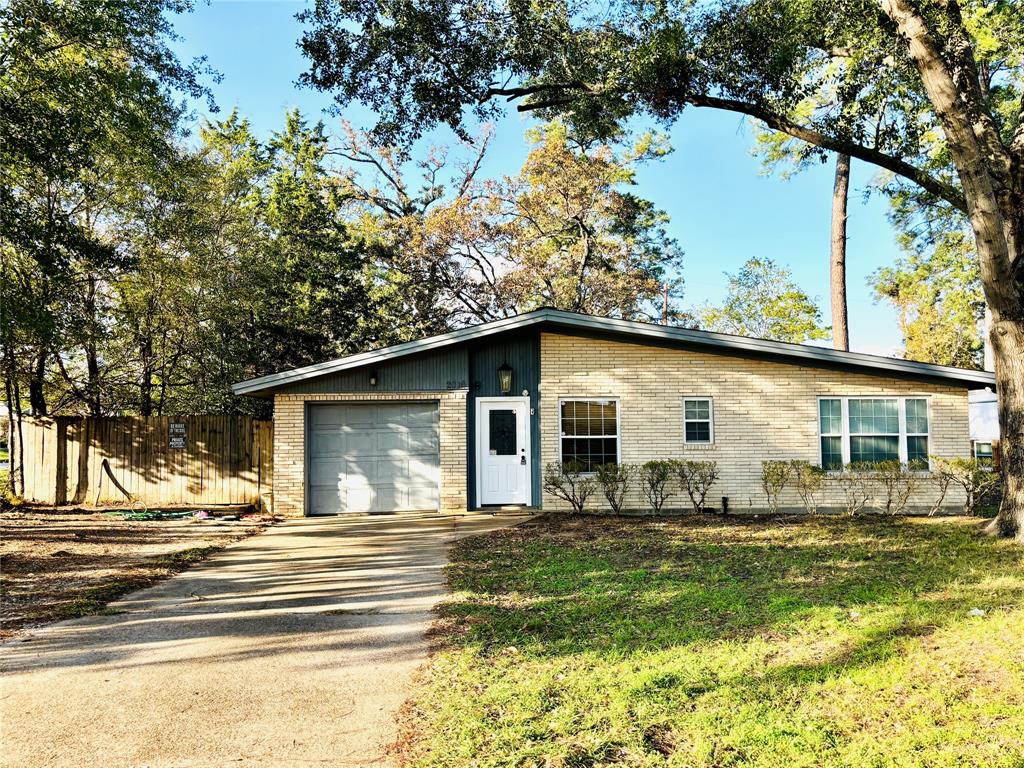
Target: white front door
[503,450]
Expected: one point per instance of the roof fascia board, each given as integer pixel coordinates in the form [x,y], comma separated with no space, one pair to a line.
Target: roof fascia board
[553,319]
[253,386]
[743,344]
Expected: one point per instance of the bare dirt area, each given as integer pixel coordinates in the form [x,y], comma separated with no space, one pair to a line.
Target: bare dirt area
[60,564]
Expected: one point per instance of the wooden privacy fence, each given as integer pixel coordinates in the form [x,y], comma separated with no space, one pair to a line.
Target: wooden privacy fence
[157,460]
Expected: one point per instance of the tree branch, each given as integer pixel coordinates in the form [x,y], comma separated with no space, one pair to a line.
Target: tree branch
[947,192]
[940,189]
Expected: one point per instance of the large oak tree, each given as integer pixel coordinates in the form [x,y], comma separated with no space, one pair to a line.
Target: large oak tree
[935,68]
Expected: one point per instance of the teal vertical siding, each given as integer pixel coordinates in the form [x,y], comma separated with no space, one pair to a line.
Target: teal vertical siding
[522,352]
[428,372]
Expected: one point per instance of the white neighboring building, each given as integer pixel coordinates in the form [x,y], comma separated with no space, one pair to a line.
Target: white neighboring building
[984,421]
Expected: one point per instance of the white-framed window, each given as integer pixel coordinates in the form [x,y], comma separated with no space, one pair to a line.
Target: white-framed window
[867,430]
[698,421]
[982,450]
[589,431]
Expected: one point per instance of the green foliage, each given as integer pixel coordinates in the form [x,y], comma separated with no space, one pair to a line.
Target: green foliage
[857,486]
[764,302]
[615,481]
[568,482]
[567,232]
[839,69]
[775,476]
[655,477]
[897,481]
[697,477]
[705,642]
[564,232]
[809,482]
[89,117]
[973,475]
[936,289]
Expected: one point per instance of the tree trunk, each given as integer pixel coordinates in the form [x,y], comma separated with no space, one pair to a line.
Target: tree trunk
[146,386]
[36,383]
[837,269]
[993,184]
[18,470]
[13,455]
[92,387]
[1008,347]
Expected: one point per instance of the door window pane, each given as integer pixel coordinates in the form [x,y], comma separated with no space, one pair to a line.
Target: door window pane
[502,432]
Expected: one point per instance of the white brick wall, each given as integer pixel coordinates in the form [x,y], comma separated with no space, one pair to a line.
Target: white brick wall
[289,445]
[763,410]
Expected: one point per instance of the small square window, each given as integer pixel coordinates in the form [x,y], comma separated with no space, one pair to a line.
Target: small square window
[698,420]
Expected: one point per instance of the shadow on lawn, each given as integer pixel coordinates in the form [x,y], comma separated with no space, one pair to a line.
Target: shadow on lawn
[619,586]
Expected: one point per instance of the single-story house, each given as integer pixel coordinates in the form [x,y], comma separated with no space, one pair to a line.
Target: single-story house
[468,419]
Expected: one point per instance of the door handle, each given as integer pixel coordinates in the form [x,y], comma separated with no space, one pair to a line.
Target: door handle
[522,460]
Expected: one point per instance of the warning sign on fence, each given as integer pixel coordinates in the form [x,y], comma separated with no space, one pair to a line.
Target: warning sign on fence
[176,430]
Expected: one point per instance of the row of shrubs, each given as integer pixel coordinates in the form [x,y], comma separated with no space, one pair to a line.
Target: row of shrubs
[887,485]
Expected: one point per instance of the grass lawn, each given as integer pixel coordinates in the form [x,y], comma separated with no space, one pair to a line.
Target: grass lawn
[710,642]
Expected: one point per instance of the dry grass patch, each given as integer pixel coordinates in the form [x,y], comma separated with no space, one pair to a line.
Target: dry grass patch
[63,564]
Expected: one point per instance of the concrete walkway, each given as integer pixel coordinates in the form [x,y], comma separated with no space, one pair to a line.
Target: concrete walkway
[292,648]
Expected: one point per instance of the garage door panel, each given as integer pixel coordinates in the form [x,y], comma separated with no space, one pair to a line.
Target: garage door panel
[361,443]
[373,457]
[326,443]
[327,471]
[419,415]
[422,497]
[326,501]
[357,500]
[422,441]
[422,472]
[392,440]
[390,415]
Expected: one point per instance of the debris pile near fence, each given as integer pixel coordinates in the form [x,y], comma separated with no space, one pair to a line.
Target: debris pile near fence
[156,460]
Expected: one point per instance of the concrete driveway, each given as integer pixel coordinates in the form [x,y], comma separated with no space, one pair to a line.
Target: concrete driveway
[291,648]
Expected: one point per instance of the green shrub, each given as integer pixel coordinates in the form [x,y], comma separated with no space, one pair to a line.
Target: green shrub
[809,480]
[975,476]
[615,481]
[566,481]
[697,477]
[897,483]
[774,478]
[654,479]
[857,485]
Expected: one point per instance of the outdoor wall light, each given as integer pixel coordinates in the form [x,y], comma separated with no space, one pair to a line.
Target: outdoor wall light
[505,378]
[373,378]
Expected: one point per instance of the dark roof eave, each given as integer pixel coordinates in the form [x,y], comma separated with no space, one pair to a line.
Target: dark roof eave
[557,319]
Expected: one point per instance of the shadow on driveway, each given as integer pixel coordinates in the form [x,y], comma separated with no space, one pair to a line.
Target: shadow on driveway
[294,647]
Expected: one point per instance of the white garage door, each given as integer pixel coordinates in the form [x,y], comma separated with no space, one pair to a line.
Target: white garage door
[379,457]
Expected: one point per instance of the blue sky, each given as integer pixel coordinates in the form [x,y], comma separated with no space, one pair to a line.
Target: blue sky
[722,210]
